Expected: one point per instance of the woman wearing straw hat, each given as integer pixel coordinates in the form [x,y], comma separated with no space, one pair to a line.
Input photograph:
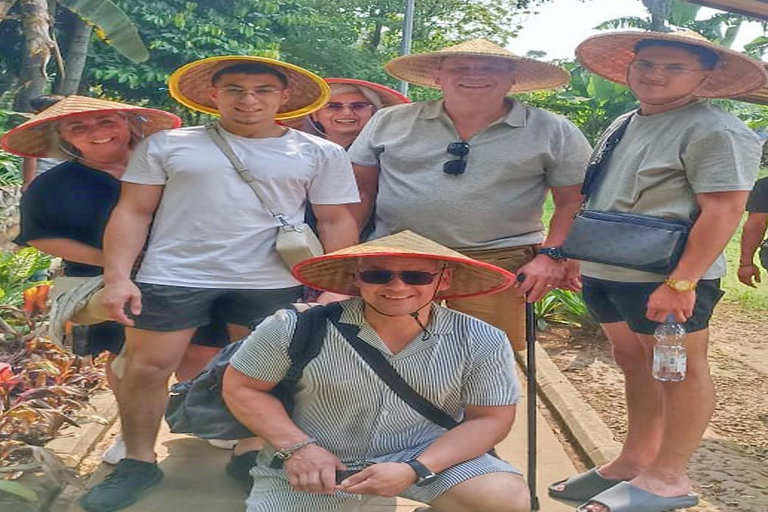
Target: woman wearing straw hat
[347,418]
[212,249]
[679,159]
[349,109]
[472,170]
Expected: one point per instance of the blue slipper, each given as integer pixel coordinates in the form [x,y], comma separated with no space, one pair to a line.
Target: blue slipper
[582,487]
[624,497]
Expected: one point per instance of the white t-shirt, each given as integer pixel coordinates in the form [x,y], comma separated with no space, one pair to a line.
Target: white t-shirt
[210,230]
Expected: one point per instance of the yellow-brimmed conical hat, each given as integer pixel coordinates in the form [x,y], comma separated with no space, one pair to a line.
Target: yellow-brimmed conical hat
[530,74]
[609,55]
[34,138]
[191,85]
[335,272]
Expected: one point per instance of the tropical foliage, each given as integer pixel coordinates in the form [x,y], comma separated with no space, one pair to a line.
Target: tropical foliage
[563,308]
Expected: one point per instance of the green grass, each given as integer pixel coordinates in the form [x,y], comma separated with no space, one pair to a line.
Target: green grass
[735,292]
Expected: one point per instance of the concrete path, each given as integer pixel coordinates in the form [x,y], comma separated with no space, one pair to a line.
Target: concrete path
[195,480]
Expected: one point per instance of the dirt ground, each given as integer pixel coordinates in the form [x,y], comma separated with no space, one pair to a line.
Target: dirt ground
[730,467]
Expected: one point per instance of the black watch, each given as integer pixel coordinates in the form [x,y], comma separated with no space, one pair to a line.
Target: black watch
[426,475]
[556,253]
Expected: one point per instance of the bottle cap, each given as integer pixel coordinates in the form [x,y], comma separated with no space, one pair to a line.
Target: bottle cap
[671,319]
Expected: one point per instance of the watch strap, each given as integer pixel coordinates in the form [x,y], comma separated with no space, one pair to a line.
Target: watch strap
[423,473]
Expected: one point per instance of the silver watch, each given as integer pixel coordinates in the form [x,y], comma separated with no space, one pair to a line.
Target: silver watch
[286,453]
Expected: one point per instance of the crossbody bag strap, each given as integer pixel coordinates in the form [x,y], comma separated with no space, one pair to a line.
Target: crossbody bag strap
[595,167]
[215,134]
[391,378]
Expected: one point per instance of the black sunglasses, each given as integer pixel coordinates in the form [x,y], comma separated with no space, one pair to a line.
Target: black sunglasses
[412,277]
[459,165]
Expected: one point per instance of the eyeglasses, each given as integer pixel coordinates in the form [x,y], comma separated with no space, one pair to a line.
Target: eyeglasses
[356,106]
[412,277]
[458,166]
[644,66]
[237,92]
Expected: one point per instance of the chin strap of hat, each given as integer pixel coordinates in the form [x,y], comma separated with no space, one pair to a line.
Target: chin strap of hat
[415,314]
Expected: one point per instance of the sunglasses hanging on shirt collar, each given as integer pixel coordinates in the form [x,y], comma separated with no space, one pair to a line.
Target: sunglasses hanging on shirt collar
[459,165]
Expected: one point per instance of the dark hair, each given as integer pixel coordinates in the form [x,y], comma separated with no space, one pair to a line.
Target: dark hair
[45,101]
[249,68]
[707,58]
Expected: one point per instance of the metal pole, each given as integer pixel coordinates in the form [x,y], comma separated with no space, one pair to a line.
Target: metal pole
[405,48]
[530,339]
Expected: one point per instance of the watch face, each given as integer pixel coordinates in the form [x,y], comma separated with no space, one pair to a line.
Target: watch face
[426,480]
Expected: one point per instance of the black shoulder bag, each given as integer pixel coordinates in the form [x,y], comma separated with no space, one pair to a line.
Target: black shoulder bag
[630,240]
[196,406]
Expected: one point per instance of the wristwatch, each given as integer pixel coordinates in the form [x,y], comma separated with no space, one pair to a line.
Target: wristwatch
[556,253]
[286,453]
[680,285]
[425,475]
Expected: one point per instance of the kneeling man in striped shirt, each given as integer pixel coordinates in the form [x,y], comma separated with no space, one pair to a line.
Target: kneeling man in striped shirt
[350,438]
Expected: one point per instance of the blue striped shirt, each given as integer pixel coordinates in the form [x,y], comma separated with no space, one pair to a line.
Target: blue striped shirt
[342,403]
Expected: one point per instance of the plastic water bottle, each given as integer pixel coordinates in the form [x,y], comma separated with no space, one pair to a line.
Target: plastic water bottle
[669,355]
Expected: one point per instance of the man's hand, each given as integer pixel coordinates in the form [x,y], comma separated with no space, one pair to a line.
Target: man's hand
[542,273]
[665,301]
[116,295]
[313,469]
[572,279]
[749,272]
[386,479]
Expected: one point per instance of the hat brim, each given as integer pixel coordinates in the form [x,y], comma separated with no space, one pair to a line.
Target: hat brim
[191,85]
[530,75]
[609,55]
[335,272]
[33,138]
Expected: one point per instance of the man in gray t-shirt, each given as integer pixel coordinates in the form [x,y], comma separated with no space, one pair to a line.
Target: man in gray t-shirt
[680,159]
[472,170]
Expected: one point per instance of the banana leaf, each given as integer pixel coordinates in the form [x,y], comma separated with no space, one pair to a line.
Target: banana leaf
[20,490]
[113,26]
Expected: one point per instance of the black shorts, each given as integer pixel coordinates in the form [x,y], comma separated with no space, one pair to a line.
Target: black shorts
[614,301]
[174,308]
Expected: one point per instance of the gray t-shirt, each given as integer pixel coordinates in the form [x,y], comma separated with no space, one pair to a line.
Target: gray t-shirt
[497,202]
[663,161]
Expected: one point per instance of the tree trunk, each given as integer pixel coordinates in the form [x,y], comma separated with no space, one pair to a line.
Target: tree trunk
[659,10]
[75,55]
[36,26]
[5,6]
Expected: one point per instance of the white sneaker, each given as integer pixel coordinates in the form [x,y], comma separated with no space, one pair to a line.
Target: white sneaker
[220,443]
[116,452]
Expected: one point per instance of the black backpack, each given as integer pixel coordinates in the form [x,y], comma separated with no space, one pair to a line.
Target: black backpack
[196,406]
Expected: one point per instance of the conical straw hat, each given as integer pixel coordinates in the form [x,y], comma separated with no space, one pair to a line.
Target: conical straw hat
[34,138]
[191,84]
[335,272]
[530,75]
[609,55]
[389,97]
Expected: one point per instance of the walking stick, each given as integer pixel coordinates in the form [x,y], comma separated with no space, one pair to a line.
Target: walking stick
[530,342]
[530,345]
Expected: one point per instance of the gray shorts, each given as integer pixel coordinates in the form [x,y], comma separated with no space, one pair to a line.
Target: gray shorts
[271,491]
[174,308]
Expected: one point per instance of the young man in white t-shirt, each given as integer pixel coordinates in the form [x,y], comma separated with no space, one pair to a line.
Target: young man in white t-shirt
[212,243]
[685,160]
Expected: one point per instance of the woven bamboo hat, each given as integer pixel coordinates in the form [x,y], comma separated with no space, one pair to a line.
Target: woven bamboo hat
[191,84]
[387,96]
[530,75]
[335,272]
[609,55]
[34,138]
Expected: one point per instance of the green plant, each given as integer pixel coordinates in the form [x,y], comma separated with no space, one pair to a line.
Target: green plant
[563,307]
[15,270]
